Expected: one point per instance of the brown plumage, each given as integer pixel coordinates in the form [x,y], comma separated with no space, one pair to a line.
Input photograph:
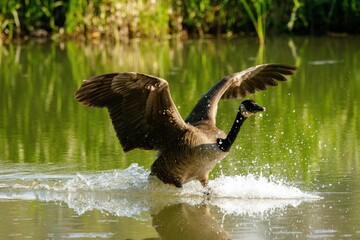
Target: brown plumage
[145,116]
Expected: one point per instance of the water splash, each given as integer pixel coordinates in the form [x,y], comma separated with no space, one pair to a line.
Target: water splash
[131,192]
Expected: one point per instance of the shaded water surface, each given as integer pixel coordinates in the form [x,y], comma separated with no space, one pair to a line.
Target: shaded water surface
[293,173]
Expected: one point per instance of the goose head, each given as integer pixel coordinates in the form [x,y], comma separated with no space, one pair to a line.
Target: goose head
[249,108]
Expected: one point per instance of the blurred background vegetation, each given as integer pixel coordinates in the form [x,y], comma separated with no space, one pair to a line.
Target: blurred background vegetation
[123,19]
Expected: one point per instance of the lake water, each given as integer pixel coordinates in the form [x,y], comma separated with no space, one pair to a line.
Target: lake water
[294,172]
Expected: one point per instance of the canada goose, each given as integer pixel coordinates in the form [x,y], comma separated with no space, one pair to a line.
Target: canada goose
[145,116]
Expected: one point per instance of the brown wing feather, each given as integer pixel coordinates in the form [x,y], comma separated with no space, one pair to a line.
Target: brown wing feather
[140,107]
[238,85]
[94,92]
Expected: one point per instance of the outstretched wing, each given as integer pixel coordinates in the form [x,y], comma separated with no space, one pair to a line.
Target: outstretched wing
[238,85]
[140,107]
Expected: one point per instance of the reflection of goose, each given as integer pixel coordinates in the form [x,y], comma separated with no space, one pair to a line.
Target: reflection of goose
[145,116]
[184,221]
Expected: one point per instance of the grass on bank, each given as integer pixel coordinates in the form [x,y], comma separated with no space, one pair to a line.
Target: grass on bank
[120,19]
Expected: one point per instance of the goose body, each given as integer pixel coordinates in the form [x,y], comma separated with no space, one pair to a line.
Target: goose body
[192,159]
[144,116]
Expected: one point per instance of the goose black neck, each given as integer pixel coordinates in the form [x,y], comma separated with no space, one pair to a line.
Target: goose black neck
[225,144]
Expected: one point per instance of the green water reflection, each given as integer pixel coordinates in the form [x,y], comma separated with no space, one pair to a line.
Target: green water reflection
[308,136]
[311,122]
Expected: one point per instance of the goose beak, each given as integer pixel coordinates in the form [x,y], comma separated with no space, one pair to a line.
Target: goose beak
[258,108]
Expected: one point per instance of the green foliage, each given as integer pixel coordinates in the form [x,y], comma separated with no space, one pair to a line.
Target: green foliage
[258,17]
[122,19]
[9,18]
[323,16]
[153,21]
[27,16]
[75,16]
[117,19]
[199,15]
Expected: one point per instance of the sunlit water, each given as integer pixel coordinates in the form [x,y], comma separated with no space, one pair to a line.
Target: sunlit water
[293,173]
